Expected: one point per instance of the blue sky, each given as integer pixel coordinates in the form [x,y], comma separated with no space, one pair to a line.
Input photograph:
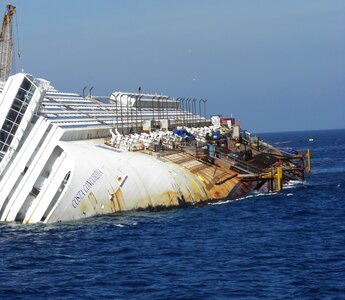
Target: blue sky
[276,65]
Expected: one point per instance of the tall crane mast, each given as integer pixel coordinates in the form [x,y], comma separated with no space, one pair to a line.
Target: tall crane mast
[6,43]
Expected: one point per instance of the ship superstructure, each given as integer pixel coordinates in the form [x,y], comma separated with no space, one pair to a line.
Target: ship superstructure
[50,152]
[66,157]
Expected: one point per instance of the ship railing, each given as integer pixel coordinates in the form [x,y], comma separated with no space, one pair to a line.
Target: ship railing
[238,163]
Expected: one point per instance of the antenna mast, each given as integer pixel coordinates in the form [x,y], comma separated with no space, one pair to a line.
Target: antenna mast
[6,43]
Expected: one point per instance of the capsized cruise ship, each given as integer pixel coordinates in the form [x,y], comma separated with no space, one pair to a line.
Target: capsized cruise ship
[65,156]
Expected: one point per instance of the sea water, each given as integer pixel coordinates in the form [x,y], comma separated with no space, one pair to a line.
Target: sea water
[270,246]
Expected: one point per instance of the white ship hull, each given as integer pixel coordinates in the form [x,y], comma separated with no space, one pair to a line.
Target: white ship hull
[55,165]
[86,179]
[50,173]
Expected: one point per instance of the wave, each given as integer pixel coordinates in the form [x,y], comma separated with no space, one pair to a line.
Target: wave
[293,184]
[259,194]
[119,225]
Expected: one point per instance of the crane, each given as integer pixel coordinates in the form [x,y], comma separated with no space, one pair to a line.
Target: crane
[6,43]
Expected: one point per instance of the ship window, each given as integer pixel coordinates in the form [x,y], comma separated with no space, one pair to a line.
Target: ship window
[9,139]
[30,94]
[25,92]
[14,129]
[26,84]
[3,136]
[17,105]
[20,117]
[12,115]
[10,127]
[7,126]
[15,114]
[35,191]
[3,147]
[21,94]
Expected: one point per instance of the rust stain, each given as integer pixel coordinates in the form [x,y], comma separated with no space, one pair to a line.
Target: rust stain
[92,200]
[202,182]
[218,181]
[113,204]
[119,198]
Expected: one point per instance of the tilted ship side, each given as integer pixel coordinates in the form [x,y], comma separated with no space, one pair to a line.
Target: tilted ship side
[66,157]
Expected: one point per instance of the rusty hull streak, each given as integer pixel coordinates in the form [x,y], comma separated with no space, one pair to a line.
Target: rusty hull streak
[205,182]
[218,182]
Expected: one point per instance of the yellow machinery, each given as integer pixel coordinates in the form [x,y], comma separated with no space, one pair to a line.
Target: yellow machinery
[6,43]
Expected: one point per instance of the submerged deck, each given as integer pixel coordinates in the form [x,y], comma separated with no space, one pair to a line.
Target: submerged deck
[266,167]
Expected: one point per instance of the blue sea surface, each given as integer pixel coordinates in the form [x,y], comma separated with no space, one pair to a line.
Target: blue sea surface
[289,245]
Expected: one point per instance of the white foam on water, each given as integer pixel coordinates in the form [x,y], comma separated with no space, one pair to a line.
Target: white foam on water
[293,184]
[126,224]
[265,194]
[243,198]
[221,202]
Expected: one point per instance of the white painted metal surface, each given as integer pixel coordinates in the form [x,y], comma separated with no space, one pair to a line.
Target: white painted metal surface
[51,172]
